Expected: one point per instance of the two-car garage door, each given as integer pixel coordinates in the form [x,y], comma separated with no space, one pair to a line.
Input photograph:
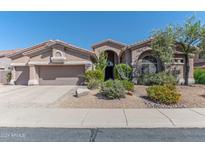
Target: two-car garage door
[61,75]
[53,75]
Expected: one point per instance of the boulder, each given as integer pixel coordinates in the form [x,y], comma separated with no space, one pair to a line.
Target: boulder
[130,93]
[82,92]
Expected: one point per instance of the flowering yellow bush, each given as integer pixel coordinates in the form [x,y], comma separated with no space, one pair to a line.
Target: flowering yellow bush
[166,94]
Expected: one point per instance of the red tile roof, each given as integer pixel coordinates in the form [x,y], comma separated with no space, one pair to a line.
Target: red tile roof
[8,52]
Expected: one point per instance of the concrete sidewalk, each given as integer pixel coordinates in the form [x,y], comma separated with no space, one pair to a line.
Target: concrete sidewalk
[102,118]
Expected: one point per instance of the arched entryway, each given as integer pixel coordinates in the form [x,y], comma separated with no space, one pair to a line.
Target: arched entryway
[112,59]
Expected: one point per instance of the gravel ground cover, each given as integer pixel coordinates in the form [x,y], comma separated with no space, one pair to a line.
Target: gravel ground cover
[192,96]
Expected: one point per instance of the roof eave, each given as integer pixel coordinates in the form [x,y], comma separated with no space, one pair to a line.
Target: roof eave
[47,44]
[108,40]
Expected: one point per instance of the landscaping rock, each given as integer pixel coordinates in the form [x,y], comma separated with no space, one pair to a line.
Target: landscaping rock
[130,93]
[82,92]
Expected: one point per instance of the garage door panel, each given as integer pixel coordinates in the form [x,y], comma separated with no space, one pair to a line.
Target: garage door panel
[61,75]
[22,75]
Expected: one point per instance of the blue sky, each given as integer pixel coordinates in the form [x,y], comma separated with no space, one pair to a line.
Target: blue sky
[24,29]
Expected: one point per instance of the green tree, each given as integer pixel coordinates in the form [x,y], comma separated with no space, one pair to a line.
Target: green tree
[101,61]
[188,38]
[163,45]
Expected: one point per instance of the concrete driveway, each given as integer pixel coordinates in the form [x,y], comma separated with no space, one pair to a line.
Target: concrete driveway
[32,96]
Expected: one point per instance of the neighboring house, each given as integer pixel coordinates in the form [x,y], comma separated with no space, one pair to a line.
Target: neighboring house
[4,60]
[5,66]
[60,63]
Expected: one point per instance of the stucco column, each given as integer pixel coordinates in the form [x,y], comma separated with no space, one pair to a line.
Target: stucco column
[191,71]
[178,69]
[13,76]
[134,72]
[33,76]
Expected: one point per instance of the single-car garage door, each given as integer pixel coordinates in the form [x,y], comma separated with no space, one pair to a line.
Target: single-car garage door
[61,75]
[22,75]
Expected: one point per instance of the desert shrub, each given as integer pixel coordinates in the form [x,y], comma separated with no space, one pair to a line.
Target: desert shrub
[161,78]
[113,89]
[128,85]
[94,75]
[201,79]
[166,94]
[122,72]
[93,84]
[199,75]
[8,77]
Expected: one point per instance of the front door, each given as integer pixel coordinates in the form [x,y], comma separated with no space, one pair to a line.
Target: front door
[109,70]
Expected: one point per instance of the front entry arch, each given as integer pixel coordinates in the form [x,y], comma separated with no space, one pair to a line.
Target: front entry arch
[112,59]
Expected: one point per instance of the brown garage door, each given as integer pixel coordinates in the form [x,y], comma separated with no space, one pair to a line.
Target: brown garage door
[61,75]
[22,75]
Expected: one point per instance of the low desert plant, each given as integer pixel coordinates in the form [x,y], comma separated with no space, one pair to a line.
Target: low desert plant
[122,72]
[161,78]
[199,75]
[94,84]
[128,85]
[166,94]
[94,75]
[113,89]
[8,77]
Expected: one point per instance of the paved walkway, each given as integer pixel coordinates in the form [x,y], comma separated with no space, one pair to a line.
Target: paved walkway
[102,118]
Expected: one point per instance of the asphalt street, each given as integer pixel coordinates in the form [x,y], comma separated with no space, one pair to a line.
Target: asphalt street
[102,135]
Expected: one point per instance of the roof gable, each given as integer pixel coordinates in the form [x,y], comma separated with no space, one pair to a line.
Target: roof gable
[140,44]
[121,45]
[48,44]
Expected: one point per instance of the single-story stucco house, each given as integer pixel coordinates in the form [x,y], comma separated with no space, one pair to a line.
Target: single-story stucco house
[58,63]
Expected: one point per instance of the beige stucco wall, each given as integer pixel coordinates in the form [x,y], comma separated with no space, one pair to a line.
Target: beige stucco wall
[3,76]
[72,55]
[126,57]
[4,63]
[191,72]
[33,75]
[41,56]
[20,59]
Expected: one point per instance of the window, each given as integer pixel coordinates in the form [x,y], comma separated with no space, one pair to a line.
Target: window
[149,65]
